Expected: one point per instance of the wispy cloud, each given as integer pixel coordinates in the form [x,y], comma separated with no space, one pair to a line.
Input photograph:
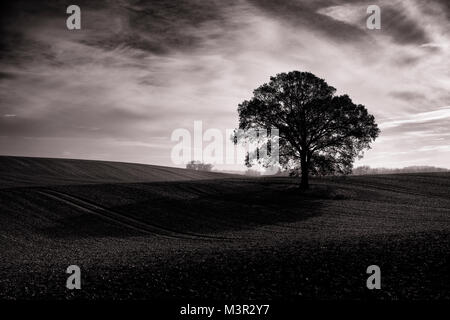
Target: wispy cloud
[440,114]
[434,148]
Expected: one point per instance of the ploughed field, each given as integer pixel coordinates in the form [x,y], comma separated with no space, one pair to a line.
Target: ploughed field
[140,232]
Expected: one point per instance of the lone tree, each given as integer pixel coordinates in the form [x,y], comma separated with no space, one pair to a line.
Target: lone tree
[319,133]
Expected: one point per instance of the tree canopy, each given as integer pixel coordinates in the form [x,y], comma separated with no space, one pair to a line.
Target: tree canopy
[319,132]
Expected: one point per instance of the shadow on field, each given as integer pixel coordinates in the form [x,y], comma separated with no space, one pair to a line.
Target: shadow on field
[239,207]
[200,207]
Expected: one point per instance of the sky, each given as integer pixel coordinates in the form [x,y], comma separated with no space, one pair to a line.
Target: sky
[137,70]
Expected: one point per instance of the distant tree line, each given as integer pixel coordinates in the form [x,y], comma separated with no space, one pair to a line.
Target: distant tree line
[364,170]
[252,173]
[199,166]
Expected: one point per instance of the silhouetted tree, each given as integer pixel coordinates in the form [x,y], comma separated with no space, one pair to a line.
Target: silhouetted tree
[319,132]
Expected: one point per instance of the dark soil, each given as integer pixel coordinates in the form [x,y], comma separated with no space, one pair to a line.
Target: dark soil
[227,238]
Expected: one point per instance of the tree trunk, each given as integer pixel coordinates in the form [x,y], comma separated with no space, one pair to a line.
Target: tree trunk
[304,183]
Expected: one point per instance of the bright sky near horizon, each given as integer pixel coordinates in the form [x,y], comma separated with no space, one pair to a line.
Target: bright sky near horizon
[137,70]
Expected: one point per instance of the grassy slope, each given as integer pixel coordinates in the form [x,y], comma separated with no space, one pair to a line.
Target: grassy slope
[25,171]
[220,238]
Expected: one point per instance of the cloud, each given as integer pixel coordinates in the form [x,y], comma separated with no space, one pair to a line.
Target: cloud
[434,148]
[434,45]
[409,96]
[423,117]
[137,70]
[416,139]
[308,14]
[396,22]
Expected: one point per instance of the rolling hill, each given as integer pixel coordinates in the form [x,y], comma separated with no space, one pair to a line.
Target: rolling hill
[28,171]
[141,231]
